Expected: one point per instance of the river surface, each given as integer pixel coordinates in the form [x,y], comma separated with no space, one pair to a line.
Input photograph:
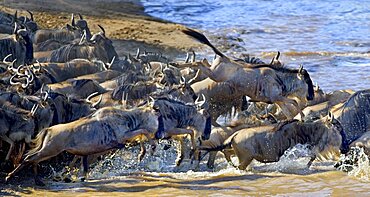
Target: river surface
[330,38]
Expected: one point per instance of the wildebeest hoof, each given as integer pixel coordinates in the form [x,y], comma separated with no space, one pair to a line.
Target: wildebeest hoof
[82,179]
[7,179]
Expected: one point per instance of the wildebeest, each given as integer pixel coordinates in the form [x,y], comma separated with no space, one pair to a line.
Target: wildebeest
[19,45]
[354,115]
[80,88]
[99,47]
[108,128]
[268,143]
[266,83]
[16,124]
[65,35]
[218,136]
[183,119]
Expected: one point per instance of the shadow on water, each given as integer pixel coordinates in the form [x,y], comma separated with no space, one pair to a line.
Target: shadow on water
[168,182]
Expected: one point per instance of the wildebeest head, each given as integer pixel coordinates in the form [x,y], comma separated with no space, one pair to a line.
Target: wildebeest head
[106,45]
[22,36]
[30,23]
[177,114]
[303,75]
[336,134]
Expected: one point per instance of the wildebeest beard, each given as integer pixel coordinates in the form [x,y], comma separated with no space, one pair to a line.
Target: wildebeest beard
[29,50]
[207,129]
[308,80]
[160,130]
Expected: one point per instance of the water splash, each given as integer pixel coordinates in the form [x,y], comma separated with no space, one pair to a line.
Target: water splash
[294,160]
[356,163]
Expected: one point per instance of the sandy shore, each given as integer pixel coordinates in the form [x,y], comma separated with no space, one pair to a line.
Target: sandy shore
[125,23]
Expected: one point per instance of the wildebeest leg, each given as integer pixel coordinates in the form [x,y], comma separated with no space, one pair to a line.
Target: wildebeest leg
[18,158]
[5,138]
[36,176]
[180,152]
[244,163]
[142,151]
[227,154]
[211,159]
[43,154]
[85,166]
[73,162]
[144,132]
[311,160]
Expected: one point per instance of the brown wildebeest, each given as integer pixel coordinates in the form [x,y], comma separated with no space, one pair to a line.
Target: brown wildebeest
[268,143]
[108,128]
[265,83]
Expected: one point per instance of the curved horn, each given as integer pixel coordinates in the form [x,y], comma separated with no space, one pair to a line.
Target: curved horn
[6,57]
[300,68]
[26,85]
[82,38]
[102,29]
[187,58]
[38,68]
[73,20]
[90,96]
[193,57]
[109,65]
[11,67]
[79,15]
[31,15]
[200,103]
[94,105]
[138,53]
[15,28]
[277,55]
[34,108]
[19,71]
[194,78]
[12,82]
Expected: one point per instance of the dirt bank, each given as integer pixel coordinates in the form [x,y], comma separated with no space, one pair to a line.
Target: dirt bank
[125,23]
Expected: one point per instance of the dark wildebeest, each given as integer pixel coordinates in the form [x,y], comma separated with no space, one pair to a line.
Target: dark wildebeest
[99,47]
[19,45]
[268,143]
[108,128]
[80,88]
[16,124]
[183,119]
[354,115]
[65,35]
[265,83]
[68,109]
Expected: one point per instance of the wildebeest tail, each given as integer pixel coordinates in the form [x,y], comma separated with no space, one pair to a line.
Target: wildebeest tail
[201,38]
[36,143]
[226,144]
